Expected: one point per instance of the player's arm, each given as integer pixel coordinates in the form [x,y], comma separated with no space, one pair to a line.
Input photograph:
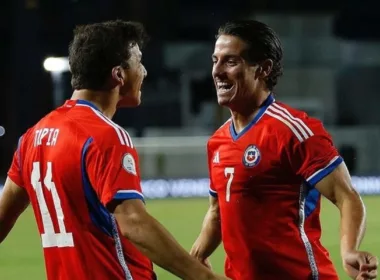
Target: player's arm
[338,189]
[210,237]
[114,172]
[316,159]
[13,202]
[156,242]
[14,199]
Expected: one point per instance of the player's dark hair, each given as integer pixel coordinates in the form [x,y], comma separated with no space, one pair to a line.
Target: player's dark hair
[97,48]
[263,43]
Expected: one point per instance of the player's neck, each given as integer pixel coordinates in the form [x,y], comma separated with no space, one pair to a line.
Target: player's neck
[106,102]
[247,111]
[240,121]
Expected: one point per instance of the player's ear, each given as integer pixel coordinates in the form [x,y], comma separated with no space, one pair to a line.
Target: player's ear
[265,68]
[118,75]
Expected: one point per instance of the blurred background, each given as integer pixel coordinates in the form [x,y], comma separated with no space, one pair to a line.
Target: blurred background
[331,71]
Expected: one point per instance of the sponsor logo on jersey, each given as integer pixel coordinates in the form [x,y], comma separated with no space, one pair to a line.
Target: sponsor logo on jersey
[129,164]
[251,156]
[216,157]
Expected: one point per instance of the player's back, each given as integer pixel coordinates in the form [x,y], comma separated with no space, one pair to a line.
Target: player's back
[80,237]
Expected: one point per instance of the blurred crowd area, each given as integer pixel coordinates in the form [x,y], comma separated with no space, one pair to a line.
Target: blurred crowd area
[331,70]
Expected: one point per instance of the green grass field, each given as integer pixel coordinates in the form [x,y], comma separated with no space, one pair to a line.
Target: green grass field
[21,253]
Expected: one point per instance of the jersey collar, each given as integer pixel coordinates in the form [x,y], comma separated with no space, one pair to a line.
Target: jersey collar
[87,103]
[235,136]
[81,102]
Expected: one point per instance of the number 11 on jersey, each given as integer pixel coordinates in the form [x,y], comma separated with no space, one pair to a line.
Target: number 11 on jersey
[50,238]
[229,173]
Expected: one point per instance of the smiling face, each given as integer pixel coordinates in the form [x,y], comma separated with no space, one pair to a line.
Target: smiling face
[133,77]
[234,77]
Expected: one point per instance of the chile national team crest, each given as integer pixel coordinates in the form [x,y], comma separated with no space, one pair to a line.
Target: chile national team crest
[251,156]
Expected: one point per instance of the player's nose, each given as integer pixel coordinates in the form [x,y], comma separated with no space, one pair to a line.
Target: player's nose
[218,70]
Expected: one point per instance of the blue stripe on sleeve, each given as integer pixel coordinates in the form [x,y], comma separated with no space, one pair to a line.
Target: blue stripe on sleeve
[324,172]
[128,195]
[213,193]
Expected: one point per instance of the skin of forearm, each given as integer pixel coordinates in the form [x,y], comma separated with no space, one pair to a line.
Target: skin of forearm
[353,219]
[153,240]
[210,237]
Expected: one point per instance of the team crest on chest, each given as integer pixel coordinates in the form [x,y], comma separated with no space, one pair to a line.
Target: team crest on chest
[251,156]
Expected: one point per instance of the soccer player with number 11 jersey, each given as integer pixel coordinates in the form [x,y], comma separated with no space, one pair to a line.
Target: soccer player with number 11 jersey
[80,172]
[269,165]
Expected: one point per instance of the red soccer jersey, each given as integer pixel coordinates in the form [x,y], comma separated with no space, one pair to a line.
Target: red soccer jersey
[72,163]
[264,180]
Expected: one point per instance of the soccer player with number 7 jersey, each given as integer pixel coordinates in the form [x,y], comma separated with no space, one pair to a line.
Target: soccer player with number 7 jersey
[80,172]
[269,165]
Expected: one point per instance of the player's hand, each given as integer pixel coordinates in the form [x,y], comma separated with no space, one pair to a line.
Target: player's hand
[360,265]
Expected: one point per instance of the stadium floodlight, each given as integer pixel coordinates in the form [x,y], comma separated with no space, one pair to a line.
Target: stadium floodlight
[56,64]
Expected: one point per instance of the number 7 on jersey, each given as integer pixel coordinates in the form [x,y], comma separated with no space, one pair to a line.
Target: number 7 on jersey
[229,173]
[50,238]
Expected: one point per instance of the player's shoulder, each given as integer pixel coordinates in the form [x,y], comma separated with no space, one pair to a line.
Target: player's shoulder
[106,133]
[29,134]
[24,138]
[291,122]
[97,128]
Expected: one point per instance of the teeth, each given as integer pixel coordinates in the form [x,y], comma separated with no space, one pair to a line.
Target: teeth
[224,87]
[220,84]
[223,90]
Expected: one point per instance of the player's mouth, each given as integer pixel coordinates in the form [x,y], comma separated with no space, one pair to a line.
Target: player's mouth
[224,87]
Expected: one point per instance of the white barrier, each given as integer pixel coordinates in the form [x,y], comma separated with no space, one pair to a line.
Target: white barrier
[184,156]
[179,188]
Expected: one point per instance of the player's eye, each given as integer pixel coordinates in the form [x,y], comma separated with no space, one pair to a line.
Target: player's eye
[231,62]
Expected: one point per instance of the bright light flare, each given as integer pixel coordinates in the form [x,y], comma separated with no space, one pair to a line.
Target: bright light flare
[56,64]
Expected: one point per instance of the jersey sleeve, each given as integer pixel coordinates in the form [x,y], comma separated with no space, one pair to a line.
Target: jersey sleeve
[314,156]
[212,190]
[14,172]
[114,172]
